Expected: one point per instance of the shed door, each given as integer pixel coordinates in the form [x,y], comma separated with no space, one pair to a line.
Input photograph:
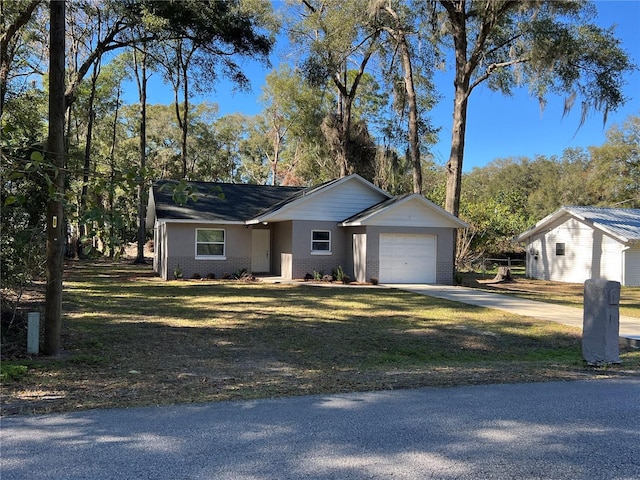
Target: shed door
[407,258]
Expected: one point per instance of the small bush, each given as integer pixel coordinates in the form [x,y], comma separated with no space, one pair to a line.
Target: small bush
[317,275]
[308,277]
[346,279]
[338,274]
[327,278]
[210,276]
[240,273]
[11,372]
[177,272]
[373,280]
[196,276]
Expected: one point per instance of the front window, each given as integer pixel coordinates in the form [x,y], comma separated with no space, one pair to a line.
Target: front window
[210,242]
[559,249]
[321,241]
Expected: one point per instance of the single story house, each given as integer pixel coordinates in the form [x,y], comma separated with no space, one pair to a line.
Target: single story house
[292,231]
[575,244]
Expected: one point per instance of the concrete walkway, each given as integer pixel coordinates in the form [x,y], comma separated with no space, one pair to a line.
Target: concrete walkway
[629,326]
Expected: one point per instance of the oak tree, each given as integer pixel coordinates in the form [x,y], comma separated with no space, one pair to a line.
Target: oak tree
[552,46]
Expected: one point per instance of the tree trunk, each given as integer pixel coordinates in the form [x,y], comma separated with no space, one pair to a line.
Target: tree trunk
[185,127]
[344,127]
[346,166]
[503,275]
[55,151]
[9,33]
[141,77]
[83,230]
[112,175]
[457,18]
[454,165]
[277,141]
[414,147]
[453,169]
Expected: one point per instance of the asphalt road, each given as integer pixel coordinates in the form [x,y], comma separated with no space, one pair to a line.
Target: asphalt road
[560,430]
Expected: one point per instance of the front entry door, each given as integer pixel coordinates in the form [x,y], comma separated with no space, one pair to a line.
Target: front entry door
[261,251]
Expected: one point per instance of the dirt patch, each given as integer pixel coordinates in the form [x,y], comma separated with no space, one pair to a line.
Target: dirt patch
[525,285]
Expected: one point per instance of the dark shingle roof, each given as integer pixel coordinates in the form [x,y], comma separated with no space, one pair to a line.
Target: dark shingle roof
[225,202]
[378,207]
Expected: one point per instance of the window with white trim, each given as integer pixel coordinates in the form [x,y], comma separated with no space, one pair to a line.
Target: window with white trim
[210,243]
[559,249]
[321,242]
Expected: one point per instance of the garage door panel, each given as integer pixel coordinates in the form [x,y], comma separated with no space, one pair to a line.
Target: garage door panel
[407,258]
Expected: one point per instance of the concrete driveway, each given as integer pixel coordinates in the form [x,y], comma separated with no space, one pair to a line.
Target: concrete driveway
[629,326]
[559,430]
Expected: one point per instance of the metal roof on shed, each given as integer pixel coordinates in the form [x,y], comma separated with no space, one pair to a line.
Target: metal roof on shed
[622,223]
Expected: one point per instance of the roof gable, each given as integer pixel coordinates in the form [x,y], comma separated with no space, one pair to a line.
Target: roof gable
[620,223]
[331,201]
[406,210]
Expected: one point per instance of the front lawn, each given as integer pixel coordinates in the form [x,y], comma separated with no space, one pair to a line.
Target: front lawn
[132,339]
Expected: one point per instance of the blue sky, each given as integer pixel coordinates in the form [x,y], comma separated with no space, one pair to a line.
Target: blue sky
[498,126]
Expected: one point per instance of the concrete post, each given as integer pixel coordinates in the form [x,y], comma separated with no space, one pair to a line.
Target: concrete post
[33,333]
[601,322]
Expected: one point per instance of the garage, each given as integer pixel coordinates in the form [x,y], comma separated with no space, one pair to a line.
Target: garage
[407,258]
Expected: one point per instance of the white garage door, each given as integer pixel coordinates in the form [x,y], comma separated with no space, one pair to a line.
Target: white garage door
[407,258]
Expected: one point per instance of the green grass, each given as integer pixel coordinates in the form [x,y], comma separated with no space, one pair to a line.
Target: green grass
[132,339]
[12,371]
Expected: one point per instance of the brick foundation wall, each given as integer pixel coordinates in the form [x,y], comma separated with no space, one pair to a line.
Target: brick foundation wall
[373,270]
[444,273]
[190,265]
[321,263]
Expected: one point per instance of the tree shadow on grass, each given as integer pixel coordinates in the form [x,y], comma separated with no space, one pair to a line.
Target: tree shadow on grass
[148,342]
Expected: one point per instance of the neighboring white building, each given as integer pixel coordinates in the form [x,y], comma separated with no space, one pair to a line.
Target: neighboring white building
[575,244]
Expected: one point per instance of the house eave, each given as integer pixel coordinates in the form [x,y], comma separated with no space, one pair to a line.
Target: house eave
[368,219]
[313,192]
[540,226]
[199,221]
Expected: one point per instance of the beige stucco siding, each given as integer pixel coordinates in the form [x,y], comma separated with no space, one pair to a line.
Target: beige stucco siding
[359,246]
[305,261]
[180,240]
[282,248]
